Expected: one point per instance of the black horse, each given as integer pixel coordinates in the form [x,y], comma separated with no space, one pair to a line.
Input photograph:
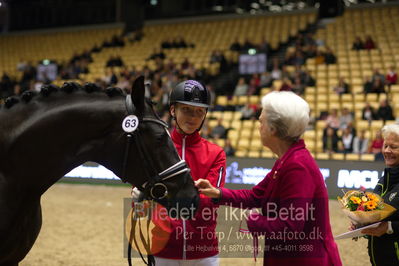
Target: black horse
[43,137]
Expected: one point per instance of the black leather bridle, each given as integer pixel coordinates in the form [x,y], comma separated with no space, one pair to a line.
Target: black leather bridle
[154,188]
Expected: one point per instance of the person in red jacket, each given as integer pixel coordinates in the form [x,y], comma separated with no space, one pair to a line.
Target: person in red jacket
[192,241]
[293,195]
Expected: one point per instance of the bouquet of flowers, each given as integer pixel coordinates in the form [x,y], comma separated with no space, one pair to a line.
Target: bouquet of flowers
[365,207]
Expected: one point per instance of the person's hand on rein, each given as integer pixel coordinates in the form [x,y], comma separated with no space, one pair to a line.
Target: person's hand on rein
[205,188]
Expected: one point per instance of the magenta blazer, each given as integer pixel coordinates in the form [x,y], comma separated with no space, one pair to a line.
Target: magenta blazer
[295,218]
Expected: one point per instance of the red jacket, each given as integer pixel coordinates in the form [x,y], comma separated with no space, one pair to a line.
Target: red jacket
[294,181]
[194,238]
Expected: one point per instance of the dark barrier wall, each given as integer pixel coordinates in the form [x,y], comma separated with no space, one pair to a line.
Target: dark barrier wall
[338,175]
[244,173]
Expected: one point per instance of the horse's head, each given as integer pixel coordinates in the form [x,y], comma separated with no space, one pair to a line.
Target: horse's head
[162,175]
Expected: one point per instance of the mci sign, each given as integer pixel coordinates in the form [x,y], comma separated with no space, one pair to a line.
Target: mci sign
[358,178]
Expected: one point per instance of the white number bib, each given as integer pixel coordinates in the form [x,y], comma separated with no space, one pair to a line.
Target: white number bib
[130,123]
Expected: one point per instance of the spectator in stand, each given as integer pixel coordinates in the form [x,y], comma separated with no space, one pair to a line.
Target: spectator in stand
[368,113]
[254,85]
[110,77]
[241,87]
[367,85]
[166,44]
[217,56]
[376,146]
[299,58]
[361,143]
[308,80]
[135,36]
[264,46]
[391,77]
[312,121]
[21,65]
[247,45]
[347,140]
[228,148]
[219,131]
[385,112]
[6,86]
[298,87]
[311,51]
[330,140]
[342,87]
[332,119]
[276,69]
[114,61]
[352,128]
[378,86]
[369,43]
[345,118]
[125,72]
[206,130]
[28,74]
[247,112]
[358,44]
[124,83]
[265,79]
[319,58]
[185,64]
[212,94]
[117,41]
[285,74]
[329,56]
[308,40]
[95,49]
[286,85]
[378,75]
[236,46]
[179,42]
[157,53]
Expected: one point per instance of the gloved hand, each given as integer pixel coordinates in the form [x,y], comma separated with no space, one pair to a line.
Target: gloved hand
[137,195]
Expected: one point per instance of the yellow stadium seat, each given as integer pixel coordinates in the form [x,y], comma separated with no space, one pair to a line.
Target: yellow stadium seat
[367,157]
[254,154]
[352,156]
[241,153]
[243,143]
[338,156]
[221,100]
[322,156]
[376,125]
[267,154]
[228,115]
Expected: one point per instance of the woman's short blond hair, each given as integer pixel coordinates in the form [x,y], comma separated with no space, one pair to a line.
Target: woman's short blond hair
[390,129]
[287,113]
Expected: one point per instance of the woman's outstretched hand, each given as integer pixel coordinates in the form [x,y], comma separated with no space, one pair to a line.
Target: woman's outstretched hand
[206,188]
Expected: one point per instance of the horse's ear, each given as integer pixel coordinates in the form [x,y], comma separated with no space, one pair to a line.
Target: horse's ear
[138,92]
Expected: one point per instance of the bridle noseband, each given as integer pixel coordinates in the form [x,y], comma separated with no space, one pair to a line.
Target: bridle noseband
[154,188]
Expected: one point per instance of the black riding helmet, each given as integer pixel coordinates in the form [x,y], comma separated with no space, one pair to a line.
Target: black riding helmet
[190,92]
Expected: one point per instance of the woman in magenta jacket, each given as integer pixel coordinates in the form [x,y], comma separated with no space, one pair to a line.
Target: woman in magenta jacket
[292,196]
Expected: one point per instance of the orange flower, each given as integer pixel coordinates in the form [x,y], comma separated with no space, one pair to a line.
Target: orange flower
[356,200]
[371,205]
[372,197]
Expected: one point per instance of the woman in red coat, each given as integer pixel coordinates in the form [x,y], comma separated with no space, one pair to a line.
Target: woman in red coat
[293,196]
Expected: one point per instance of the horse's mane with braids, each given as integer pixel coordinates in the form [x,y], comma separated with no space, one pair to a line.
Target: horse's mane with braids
[67,87]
